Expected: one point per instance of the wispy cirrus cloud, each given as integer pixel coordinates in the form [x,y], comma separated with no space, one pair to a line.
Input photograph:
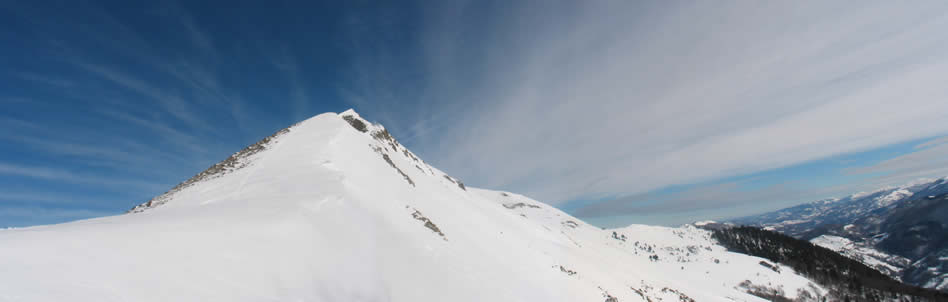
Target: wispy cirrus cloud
[43,198]
[105,99]
[287,64]
[170,103]
[177,137]
[24,212]
[26,216]
[53,81]
[63,175]
[117,154]
[928,159]
[565,101]
[840,176]
[199,39]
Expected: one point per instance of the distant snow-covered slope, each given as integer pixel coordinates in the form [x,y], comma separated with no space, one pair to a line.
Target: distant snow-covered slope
[891,265]
[335,209]
[901,231]
[801,220]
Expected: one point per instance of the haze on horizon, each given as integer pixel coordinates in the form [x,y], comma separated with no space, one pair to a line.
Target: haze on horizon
[617,112]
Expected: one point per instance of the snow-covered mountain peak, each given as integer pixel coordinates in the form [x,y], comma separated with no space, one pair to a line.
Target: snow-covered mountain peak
[926,182]
[353,117]
[863,194]
[350,111]
[341,143]
[335,209]
[892,197]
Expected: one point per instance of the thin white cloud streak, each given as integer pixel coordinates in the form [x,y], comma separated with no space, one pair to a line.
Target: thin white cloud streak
[584,100]
[737,198]
[708,197]
[933,143]
[123,154]
[18,124]
[24,212]
[26,216]
[42,197]
[172,104]
[48,80]
[287,64]
[66,176]
[197,70]
[710,201]
[198,38]
[180,138]
[930,159]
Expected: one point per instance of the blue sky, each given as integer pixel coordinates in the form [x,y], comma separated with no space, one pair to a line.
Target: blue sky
[617,112]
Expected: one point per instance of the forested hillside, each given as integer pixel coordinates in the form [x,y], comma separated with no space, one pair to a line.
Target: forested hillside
[847,279]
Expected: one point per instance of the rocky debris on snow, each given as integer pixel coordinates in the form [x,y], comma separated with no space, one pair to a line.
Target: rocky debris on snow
[428,223]
[567,271]
[520,205]
[390,163]
[233,163]
[456,181]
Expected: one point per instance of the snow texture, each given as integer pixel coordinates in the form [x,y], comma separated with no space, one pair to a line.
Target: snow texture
[325,212]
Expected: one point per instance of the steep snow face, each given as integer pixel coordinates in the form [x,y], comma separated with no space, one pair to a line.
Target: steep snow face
[335,209]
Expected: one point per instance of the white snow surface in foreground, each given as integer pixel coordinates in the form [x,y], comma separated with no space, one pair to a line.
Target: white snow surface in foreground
[321,216]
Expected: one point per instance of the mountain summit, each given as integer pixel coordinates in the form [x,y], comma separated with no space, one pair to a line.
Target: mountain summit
[335,209]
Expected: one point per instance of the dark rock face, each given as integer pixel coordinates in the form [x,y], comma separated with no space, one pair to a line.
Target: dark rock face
[356,123]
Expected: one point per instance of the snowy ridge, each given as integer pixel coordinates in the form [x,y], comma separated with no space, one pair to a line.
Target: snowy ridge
[329,210]
[235,162]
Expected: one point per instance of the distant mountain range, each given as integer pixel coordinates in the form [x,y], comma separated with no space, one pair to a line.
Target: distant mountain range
[900,231]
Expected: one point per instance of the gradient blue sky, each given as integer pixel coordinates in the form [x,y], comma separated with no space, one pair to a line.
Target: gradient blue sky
[618,112]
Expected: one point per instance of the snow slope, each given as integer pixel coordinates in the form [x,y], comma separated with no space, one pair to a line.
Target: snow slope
[325,212]
[891,265]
